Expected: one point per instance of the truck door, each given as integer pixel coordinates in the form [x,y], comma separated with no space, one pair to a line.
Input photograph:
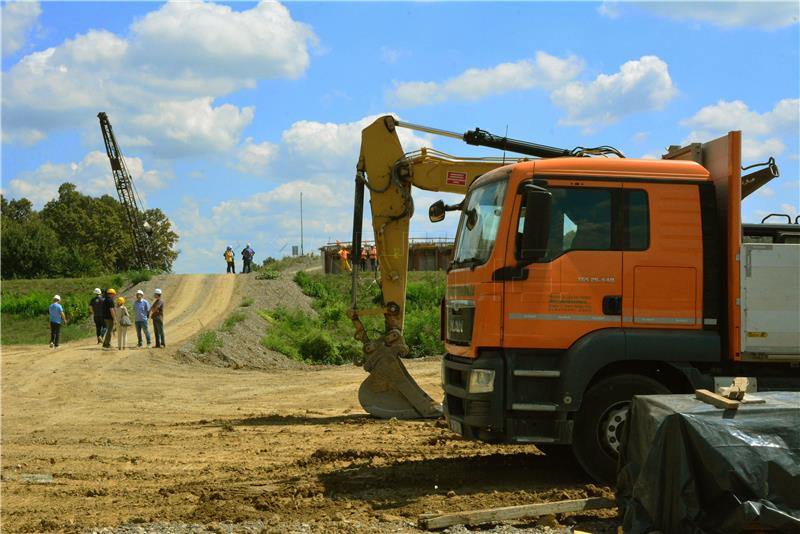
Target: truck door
[576,287]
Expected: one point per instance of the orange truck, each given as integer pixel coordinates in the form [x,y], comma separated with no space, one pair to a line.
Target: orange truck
[578,282]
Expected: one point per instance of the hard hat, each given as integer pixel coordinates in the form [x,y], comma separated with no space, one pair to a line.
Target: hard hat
[120,301]
[248,244]
[158,291]
[139,292]
[97,291]
[56,297]
[111,291]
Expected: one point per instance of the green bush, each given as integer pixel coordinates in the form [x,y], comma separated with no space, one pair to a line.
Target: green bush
[137,277]
[37,304]
[267,274]
[319,347]
[234,319]
[207,341]
[247,301]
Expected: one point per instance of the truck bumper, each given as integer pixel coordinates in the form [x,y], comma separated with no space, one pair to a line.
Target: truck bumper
[518,409]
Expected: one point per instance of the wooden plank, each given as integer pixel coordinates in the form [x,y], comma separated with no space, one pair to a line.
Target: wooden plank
[717,400]
[477,517]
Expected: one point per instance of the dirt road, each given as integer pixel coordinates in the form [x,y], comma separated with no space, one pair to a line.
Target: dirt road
[137,437]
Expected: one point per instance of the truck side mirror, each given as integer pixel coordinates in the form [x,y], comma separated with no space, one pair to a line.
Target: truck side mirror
[537,223]
[436,211]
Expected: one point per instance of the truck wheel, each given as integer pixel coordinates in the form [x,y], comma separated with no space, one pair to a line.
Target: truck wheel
[600,422]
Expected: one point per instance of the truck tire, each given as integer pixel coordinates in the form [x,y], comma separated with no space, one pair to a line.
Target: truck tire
[599,423]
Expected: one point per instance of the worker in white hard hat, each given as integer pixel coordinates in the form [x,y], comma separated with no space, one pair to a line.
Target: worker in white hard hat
[157,314]
[247,258]
[141,309]
[96,309]
[57,320]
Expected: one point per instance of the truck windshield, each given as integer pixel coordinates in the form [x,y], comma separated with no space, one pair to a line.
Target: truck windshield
[480,218]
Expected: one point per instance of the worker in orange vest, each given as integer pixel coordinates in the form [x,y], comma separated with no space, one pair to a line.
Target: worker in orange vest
[343,255]
[363,258]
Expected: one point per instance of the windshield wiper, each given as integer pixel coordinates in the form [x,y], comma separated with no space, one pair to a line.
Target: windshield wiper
[474,260]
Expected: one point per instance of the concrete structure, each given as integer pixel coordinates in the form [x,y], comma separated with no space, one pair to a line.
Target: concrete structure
[424,254]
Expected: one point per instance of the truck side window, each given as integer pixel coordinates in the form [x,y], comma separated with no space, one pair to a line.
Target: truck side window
[637,225]
[580,219]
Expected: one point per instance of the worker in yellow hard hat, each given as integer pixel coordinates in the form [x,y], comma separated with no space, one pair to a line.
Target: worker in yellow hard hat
[123,322]
[109,316]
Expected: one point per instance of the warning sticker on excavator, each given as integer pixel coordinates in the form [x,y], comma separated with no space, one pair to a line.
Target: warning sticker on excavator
[456,178]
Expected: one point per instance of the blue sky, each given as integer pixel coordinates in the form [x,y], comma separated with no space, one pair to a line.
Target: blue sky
[226,112]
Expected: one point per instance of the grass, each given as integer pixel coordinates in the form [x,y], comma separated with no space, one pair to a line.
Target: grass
[207,341]
[246,302]
[24,306]
[234,319]
[328,337]
[267,274]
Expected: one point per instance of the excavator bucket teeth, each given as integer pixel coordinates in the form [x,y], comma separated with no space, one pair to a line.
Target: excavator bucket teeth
[390,391]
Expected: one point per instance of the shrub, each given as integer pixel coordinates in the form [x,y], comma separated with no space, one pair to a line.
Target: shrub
[118,280]
[137,277]
[247,301]
[275,341]
[319,348]
[234,319]
[207,341]
[267,274]
[350,350]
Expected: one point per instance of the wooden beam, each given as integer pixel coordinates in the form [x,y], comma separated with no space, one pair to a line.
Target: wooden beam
[717,400]
[477,517]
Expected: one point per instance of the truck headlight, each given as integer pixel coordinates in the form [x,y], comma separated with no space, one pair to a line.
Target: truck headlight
[481,381]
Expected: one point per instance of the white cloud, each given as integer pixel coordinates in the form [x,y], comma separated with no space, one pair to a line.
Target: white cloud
[609,9]
[545,72]
[336,145]
[92,176]
[254,158]
[640,85]
[736,115]
[184,127]
[171,66]
[763,15]
[18,18]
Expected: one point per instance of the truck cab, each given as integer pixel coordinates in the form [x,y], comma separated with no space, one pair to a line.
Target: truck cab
[577,283]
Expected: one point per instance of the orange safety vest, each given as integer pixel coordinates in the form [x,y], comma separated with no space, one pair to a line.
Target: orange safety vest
[364,253]
[343,253]
[373,253]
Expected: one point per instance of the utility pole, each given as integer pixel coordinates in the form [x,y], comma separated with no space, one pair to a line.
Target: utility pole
[302,253]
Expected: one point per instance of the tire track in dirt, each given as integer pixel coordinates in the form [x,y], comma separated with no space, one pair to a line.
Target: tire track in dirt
[78,373]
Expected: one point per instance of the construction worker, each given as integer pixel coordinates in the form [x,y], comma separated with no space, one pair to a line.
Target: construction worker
[140,310]
[364,255]
[229,260]
[157,314]
[123,322]
[373,257]
[247,258]
[109,316]
[343,255]
[96,309]
[57,319]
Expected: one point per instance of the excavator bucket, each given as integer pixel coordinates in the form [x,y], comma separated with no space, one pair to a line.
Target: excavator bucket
[389,390]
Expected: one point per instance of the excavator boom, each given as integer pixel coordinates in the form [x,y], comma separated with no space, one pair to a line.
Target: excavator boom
[389,174]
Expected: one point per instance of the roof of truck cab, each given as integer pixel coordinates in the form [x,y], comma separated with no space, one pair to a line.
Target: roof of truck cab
[611,168]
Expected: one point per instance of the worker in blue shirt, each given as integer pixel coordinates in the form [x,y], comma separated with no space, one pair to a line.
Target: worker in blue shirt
[141,309]
[57,319]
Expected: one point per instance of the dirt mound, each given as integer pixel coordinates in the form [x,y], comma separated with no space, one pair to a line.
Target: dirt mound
[240,341]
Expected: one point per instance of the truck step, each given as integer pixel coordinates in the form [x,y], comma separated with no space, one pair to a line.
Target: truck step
[537,374]
[535,439]
[534,406]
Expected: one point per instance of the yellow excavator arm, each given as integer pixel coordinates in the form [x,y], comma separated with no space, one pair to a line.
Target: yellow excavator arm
[389,174]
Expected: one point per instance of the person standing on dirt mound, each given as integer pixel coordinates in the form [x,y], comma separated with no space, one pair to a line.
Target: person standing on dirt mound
[229,260]
[96,307]
[57,319]
[247,258]
[157,314]
[141,309]
[124,321]
[109,316]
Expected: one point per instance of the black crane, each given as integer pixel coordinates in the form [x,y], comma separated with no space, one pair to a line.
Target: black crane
[127,196]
